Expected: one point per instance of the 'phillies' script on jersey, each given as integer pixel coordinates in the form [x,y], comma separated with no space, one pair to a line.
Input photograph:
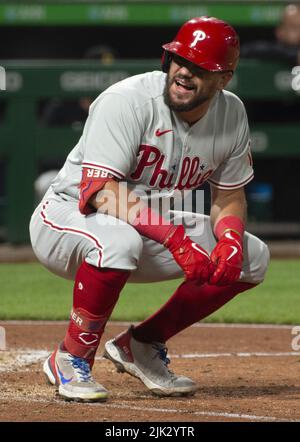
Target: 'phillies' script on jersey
[191,175]
[132,135]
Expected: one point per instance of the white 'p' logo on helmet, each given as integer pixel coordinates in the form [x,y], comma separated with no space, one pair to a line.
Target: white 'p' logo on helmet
[199,35]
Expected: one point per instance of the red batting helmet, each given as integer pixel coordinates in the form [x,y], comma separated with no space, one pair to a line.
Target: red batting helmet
[207,42]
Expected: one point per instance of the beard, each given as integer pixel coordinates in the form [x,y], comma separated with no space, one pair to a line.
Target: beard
[193,103]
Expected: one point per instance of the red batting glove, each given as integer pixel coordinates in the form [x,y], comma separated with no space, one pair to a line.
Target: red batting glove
[228,257]
[193,259]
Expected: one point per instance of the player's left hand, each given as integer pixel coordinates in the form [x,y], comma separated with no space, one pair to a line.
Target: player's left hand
[228,258]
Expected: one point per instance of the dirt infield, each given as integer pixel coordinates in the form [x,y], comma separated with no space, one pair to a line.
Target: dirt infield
[244,374]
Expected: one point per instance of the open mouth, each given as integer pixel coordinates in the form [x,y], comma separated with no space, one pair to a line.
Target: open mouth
[184,85]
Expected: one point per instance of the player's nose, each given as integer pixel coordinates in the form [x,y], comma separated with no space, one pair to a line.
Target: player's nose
[184,71]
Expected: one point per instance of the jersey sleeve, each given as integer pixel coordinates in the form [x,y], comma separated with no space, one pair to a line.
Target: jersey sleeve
[237,169]
[111,136]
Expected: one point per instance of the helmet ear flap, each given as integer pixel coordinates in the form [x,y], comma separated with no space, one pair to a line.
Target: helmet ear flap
[166,61]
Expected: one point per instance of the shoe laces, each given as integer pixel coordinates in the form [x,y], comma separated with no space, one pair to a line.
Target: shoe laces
[162,352]
[82,368]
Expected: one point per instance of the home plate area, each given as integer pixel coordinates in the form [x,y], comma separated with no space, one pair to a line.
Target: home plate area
[245,373]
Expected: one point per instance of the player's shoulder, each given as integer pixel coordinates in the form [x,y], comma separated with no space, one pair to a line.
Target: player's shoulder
[231,108]
[231,100]
[139,89]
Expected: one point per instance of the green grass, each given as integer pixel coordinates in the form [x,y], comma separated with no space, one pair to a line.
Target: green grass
[28,291]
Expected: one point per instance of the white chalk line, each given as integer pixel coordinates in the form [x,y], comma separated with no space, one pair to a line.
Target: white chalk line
[251,417]
[16,360]
[127,324]
[201,413]
[238,354]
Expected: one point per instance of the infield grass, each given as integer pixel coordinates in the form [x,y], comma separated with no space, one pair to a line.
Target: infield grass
[29,291]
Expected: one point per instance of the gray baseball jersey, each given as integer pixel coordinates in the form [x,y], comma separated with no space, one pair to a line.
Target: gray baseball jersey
[133,135]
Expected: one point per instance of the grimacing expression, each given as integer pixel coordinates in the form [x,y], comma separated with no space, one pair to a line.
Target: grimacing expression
[188,86]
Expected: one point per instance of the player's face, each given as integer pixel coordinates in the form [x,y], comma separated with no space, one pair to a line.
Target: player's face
[189,86]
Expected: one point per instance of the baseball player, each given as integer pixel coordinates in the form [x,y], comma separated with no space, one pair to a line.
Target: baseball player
[146,139]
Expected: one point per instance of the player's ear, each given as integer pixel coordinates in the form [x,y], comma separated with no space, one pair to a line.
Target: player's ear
[224,79]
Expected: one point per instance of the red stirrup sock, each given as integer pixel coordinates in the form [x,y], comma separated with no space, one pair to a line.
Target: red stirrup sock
[189,304]
[95,294]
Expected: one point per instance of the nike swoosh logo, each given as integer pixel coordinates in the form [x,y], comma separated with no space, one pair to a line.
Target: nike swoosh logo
[62,378]
[194,245]
[229,236]
[159,133]
[235,250]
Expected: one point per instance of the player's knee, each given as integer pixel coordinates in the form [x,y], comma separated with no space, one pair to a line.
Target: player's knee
[123,252]
[264,261]
[130,246]
[259,258]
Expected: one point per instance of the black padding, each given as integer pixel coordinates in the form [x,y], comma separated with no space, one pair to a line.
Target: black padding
[166,61]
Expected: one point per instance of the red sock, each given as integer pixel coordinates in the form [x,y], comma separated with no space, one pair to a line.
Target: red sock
[189,304]
[95,294]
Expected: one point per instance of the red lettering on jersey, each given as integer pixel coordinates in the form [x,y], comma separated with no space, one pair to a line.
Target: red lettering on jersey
[193,173]
[190,177]
[166,178]
[201,178]
[149,155]
[183,173]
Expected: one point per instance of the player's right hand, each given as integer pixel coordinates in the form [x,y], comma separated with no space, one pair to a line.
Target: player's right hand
[192,258]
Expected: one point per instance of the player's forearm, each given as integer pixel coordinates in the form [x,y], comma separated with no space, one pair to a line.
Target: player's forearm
[228,203]
[117,200]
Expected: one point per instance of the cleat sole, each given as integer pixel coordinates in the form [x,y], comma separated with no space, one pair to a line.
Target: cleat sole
[82,397]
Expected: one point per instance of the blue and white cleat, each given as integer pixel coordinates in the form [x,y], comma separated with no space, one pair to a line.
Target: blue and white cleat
[73,377]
